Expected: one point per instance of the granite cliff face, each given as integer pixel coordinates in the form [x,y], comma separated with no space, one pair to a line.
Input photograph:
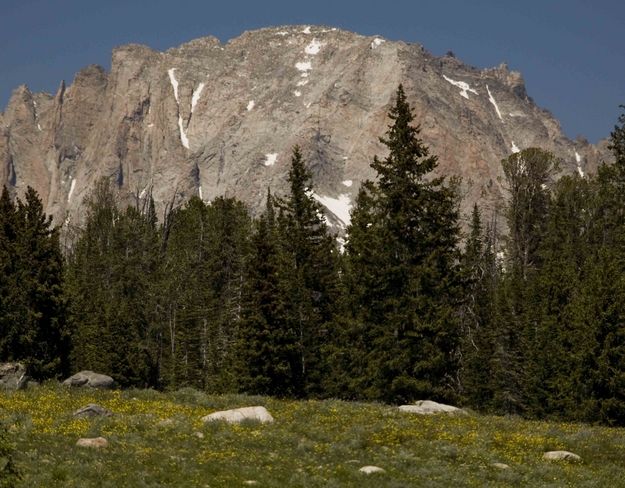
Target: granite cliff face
[214,119]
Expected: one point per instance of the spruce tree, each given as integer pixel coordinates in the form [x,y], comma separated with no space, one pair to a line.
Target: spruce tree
[480,275]
[403,251]
[601,304]
[555,358]
[268,351]
[32,317]
[313,277]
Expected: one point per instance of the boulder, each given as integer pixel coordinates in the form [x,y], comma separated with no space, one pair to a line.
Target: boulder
[92,410]
[428,407]
[237,415]
[90,379]
[561,456]
[96,442]
[13,376]
[371,470]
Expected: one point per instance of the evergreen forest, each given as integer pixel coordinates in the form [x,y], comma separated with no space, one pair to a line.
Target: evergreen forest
[530,321]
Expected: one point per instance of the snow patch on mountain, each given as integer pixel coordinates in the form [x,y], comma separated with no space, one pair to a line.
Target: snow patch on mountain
[578,158]
[270,159]
[183,136]
[463,85]
[313,48]
[174,82]
[72,186]
[196,96]
[304,66]
[340,206]
[377,42]
[492,100]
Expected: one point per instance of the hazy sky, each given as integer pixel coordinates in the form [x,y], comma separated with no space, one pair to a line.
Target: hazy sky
[571,52]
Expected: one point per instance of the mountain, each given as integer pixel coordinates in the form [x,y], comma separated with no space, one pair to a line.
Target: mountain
[213,119]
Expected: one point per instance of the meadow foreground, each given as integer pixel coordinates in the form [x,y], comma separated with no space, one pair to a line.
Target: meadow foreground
[159,439]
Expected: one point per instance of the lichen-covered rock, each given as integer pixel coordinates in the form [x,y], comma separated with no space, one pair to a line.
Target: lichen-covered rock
[91,380]
[259,414]
[371,470]
[428,407]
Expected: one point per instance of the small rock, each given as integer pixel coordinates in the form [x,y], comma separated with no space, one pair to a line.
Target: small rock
[13,376]
[500,466]
[250,482]
[92,410]
[90,379]
[428,407]
[96,442]
[199,435]
[371,469]
[561,456]
[237,415]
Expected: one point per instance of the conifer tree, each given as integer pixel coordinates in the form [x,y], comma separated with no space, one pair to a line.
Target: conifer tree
[204,263]
[112,291]
[601,304]
[554,362]
[32,316]
[480,274]
[529,176]
[313,278]
[268,351]
[407,256]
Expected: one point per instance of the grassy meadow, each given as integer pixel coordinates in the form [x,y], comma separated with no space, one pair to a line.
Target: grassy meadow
[158,439]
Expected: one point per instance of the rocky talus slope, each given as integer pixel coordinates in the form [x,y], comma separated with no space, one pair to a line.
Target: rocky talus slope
[213,119]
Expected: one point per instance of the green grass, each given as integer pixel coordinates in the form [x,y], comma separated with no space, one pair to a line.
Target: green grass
[311,443]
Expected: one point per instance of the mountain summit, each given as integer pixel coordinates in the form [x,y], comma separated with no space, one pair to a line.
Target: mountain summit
[211,119]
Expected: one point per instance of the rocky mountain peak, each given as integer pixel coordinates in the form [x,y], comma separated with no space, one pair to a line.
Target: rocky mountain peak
[209,119]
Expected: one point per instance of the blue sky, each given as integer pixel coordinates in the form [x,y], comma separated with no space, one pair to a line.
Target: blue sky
[570,52]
